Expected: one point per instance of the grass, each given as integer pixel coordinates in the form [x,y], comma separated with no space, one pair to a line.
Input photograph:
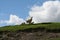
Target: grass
[26,26]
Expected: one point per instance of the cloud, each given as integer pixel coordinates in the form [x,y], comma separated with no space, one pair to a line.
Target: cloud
[13,20]
[48,12]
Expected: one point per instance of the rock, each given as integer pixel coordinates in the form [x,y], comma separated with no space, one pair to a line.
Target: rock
[33,34]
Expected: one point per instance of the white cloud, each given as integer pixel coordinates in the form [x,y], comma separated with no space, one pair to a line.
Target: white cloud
[14,20]
[48,12]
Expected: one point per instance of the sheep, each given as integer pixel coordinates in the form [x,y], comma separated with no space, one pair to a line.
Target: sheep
[29,20]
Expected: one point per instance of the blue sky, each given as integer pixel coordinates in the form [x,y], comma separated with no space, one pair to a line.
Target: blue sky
[21,8]
[17,7]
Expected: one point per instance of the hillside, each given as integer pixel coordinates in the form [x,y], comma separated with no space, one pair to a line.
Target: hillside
[40,31]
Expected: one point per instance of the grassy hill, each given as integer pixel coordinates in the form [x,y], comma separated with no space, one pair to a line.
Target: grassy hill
[40,31]
[26,26]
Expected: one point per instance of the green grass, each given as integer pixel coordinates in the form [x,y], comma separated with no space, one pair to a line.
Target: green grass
[26,26]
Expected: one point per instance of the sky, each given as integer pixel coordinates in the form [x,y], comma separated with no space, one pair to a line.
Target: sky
[16,7]
[15,12]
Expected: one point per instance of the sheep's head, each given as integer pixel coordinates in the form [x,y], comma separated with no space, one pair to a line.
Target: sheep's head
[29,20]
